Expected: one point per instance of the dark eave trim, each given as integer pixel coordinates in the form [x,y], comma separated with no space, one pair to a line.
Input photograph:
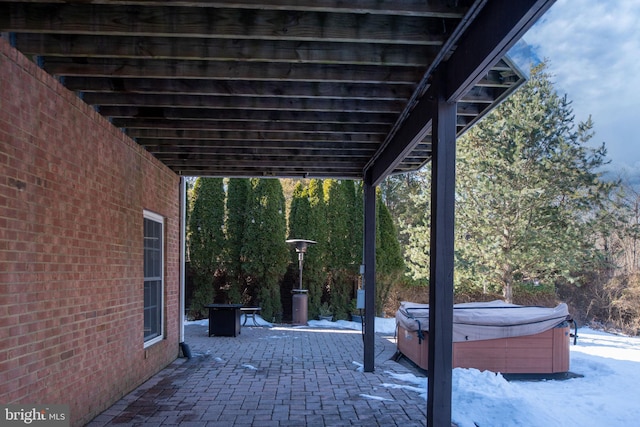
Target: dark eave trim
[494,31]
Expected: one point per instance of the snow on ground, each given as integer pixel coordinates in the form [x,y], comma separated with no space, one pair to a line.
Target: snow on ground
[259,320]
[608,394]
[383,326]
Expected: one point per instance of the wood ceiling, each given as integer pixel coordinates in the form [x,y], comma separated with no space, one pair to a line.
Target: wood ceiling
[289,88]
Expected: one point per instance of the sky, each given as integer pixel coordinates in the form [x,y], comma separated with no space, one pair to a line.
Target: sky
[593,52]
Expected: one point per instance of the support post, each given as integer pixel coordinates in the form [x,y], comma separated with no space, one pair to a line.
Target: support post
[369,275]
[441,264]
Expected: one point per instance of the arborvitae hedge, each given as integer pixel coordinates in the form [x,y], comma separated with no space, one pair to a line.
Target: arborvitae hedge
[389,260]
[341,239]
[254,256]
[238,190]
[306,221]
[264,251]
[206,240]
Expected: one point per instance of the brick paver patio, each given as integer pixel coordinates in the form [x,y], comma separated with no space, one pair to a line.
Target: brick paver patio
[281,376]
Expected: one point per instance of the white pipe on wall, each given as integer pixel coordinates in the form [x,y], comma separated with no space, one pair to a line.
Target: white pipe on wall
[183,235]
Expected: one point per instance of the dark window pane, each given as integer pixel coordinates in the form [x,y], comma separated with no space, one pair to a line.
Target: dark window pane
[153,279]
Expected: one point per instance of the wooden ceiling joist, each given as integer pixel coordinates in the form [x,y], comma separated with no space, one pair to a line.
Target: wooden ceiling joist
[268,80]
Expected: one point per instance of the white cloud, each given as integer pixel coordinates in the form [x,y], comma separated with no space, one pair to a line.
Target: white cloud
[593,48]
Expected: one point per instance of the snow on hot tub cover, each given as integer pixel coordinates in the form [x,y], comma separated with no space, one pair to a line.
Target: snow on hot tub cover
[477,321]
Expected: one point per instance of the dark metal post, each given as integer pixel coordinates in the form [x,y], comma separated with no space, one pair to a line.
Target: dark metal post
[300,262]
[369,275]
[441,264]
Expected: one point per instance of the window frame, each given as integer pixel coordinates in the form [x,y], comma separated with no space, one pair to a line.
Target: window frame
[148,215]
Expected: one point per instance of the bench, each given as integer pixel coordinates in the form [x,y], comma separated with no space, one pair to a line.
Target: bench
[250,312]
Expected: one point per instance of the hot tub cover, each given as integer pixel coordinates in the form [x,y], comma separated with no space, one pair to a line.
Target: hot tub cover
[477,321]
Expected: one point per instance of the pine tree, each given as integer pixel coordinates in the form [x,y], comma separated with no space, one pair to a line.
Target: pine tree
[406,196]
[358,224]
[389,261]
[358,241]
[526,183]
[339,199]
[264,249]
[315,271]
[238,190]
[300,212]
[355,222]
[205,239]
[306,222]
[299,228]
[411,203]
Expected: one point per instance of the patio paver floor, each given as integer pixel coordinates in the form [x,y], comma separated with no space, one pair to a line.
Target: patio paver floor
[281,376]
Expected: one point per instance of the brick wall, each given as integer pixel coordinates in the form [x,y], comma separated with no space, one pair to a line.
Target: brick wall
[72,194]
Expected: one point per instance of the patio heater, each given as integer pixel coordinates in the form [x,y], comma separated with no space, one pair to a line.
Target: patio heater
[300,301]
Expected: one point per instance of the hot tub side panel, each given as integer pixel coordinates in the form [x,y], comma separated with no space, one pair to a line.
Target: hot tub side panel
[410,346]
[546,352]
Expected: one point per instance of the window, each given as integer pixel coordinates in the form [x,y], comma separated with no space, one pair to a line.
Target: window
[153,278]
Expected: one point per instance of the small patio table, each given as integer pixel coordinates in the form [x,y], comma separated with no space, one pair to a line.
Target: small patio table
[250,313]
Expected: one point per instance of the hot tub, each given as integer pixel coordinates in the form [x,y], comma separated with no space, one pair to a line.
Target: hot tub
[493,336]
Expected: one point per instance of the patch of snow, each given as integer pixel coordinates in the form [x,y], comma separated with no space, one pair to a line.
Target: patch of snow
[201,322]
[259,320]
[368,396]
[385,326]
[608,394]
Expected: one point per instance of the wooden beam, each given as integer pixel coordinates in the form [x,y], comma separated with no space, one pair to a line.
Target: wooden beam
[496,78]
[90,46]
[255,147]
[433,9]
[205,152]
[256,137]
[496,29]
[204,114]
[292,127]
[242,103]
[469,109]
[223,22]
[233,70]
[441,264]
[255,88]
[230,170]
[263,162]
[485,95]
[247,172]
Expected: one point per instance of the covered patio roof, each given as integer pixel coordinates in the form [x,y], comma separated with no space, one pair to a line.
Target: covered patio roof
[355,89]
[285,88]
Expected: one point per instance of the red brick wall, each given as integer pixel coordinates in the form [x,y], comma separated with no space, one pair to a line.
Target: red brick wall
[72,194]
